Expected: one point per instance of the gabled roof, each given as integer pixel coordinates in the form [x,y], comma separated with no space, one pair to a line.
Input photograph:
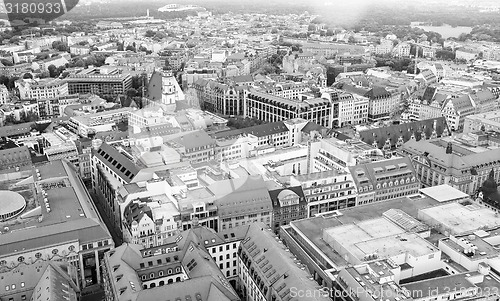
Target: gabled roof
[462,103]
[117,162]
[241,196]
[277,269]
[195,139]
[266,129]
[17,129]
[377,92]
[404,130]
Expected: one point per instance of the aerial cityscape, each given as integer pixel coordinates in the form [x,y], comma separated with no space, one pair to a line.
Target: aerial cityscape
[214,150]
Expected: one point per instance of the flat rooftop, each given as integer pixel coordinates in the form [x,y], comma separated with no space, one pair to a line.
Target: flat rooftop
[377,234]
[443,193]
[312,228]
[461,219]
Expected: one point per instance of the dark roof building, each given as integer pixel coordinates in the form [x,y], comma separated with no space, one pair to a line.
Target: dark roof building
[181,269]
[270,271]
[385,180]
[46,280]
[391,137]
[289,204]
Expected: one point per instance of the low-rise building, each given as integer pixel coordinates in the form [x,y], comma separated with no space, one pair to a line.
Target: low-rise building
[268,270]
[242,201]
[41,89]
[326,191]
[384,180]
[180,268]
[47,280]
[453,161]
[289,204]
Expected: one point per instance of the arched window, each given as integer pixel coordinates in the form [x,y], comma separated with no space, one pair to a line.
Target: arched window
[178,279]
[160,273]
[55,251]
[162,283]
[152,275]
[152,285]
[144,277]
[38,255]
[20,258]
[170,281]
[169,271]
[177,269]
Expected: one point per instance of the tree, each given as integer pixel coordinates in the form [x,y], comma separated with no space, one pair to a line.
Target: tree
[149,33]
[60,46]
[274,31]
[52,71]
[27,76]
[12,82]
[4,80]
[130,48]
[160,35]
[131,92]
[79,63]
[7,62]
[120,47]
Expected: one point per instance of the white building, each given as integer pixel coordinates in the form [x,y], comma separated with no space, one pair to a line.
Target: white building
[41,89]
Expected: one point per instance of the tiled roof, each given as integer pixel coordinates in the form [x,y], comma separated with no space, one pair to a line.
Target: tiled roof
[266,129]
[18,129]
[462,104]
[195,139]
[83,230]
[404,130]
[154,91]
[117,162]
[241,196]
[275,266]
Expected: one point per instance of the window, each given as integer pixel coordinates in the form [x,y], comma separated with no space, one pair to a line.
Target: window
[152,275]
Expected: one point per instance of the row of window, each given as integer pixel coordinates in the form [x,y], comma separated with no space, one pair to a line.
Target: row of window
[161,273]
